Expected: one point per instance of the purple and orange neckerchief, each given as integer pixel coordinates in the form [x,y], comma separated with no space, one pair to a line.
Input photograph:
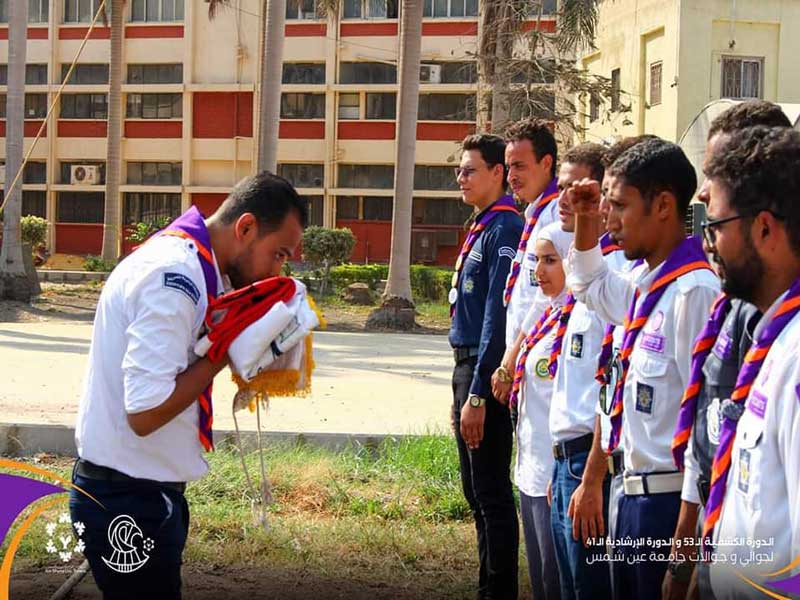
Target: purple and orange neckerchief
[563,321]
[732,409]
[688,256]
[190,225]
[542,327]
[702,347]
[549,195]
[506,203]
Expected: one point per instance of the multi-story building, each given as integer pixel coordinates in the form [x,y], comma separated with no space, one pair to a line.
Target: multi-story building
[667,59]
[190,88]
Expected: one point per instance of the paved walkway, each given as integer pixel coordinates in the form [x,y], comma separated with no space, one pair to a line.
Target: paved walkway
[364,383]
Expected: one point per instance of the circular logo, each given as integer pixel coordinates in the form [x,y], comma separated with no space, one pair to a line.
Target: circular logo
[656,321]
[541,368]
[127,541]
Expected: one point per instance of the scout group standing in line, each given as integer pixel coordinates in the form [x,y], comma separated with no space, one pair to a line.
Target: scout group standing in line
[654,393]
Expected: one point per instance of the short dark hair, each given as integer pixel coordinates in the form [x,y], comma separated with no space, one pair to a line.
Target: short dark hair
[749,114]
[655,166]
[269,197]
[758,169]
[540,134]
[588,155]
[625,144]
[491,147]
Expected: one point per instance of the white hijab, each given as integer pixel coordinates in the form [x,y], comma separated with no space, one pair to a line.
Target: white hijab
[561,240]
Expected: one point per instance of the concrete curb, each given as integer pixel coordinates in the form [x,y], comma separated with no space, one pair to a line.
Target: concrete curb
[54,276]
[28,439]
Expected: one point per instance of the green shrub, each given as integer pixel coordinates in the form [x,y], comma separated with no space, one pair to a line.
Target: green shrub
[34,230]
[96,263]
[430,284]
[144,229]
[325,248]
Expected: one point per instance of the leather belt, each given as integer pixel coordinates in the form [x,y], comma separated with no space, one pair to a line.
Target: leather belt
[464,352]
[616,463]
[89,470]
[653,483]
[566,449]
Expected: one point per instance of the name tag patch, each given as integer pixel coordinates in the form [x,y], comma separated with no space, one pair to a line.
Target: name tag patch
[757,404]
[181,283]
[722,348]
[744,470]
[653,342]
[576,345]
[644,398]
[475,255]
[506,252]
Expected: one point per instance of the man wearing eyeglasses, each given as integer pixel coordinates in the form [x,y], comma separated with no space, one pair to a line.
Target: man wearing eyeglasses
[725,359]
[482,424]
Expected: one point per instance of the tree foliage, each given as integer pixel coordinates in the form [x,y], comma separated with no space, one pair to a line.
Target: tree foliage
[325,248]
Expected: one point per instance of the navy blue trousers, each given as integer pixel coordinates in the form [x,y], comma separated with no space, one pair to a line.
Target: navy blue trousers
[139,521]
[652,518]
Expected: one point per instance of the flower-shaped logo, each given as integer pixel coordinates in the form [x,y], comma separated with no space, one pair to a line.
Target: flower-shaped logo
[61,540]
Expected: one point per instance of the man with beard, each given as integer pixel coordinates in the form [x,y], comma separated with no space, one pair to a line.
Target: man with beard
[662,304]
[717,368]
[753,227]
[142,431]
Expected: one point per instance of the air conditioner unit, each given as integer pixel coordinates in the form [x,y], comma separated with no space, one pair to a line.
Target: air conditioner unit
[2,173]
[430,73]
[84,175]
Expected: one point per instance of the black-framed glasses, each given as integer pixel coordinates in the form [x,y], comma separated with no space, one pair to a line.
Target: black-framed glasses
[710,227]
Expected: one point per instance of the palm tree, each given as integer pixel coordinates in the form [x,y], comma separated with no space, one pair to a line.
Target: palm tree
[112,213]
[269,109]
[14,283]
[397,309]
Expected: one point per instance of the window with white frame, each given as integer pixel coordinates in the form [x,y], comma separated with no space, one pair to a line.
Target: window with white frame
[156,10]
[367,72]
[308,73]
[86,74]
[370,9]
[34,74]
[35,106]
[38,11]
[547,7]
[616,89]
[155,73]
[144,207]
[302,175]
[446,107]
[302,106]
[382,105]
[155,173]
[349,106]
[742,77]
[301,9]
[429,177]
[366,176]
[656,74]
[155,106]
[84,106]
[80,11]
[450,8]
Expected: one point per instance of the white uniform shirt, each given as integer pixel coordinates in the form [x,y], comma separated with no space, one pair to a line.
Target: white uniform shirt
[661,357]
[762,499]
[148,319]
[576,392]
[534,466]
[526,291]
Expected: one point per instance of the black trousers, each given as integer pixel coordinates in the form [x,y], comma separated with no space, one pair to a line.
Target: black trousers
[486,481]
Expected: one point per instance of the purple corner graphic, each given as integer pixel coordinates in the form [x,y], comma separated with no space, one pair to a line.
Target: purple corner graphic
[18,493]
[790,585]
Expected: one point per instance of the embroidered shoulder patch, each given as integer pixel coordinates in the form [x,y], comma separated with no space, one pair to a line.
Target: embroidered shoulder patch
[507,252]
[183,284]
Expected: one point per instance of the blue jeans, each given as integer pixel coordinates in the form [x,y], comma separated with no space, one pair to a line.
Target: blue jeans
[162,516]
[579,579]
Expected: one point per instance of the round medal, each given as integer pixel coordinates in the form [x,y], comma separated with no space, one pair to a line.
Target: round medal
[453,295]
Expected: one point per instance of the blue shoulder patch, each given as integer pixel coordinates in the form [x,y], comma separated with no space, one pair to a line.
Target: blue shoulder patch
[182,283]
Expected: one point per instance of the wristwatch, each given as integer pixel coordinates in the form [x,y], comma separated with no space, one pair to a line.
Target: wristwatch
[681,571]
[476,401]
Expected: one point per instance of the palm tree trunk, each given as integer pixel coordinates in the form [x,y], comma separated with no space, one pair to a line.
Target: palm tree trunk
[397,309]
[111,217]
[271,76]
[14,282]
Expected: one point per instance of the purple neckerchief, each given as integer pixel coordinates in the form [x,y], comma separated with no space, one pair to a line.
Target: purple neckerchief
[193,223]
[686,257]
